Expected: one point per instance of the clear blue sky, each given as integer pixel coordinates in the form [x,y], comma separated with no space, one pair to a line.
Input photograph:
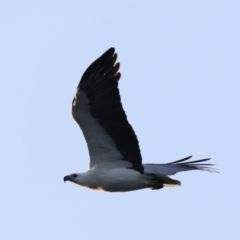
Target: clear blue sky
[180,88]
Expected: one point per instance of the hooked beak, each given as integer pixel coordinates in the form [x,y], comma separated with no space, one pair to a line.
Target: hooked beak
[67,178]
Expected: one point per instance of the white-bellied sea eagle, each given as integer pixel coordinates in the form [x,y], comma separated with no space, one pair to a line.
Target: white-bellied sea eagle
[115,156]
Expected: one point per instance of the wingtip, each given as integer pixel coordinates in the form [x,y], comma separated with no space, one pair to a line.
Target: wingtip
[108,53]
[111,49]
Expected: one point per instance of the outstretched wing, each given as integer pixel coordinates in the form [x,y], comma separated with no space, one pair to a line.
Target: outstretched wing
[178,166]
[98,110]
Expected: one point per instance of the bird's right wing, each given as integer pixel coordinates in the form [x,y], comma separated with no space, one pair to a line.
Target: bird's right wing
[178,166]
[98,111]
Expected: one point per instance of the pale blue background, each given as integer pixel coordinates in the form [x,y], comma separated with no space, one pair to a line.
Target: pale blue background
[180,89]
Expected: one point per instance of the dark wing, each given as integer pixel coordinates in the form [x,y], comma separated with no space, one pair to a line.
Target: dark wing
[98,110]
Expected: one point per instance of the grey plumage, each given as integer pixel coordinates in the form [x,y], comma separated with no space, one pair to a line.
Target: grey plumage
[178,166]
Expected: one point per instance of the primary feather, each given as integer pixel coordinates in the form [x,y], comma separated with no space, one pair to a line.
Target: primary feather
[178,166]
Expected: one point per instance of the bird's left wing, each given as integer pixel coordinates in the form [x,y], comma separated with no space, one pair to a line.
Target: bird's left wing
[178,166]
[98,110]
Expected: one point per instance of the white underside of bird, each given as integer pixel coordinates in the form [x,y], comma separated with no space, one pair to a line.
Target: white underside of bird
[117,178]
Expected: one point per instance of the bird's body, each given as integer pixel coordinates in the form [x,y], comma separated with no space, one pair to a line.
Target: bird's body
[122,179]
[115,157]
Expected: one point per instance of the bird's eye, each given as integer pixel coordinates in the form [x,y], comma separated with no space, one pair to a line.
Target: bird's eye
[74,175]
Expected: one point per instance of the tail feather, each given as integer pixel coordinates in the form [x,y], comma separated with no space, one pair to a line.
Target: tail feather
[161,180]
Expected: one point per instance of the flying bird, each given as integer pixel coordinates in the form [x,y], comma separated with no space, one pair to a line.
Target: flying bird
[115,157]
